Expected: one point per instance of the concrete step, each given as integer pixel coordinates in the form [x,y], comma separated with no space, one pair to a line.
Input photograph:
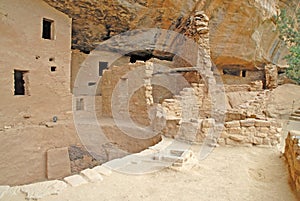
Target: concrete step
[294,118]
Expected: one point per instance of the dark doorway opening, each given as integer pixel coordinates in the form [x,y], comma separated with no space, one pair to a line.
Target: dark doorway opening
[19,82]
[79,104]
[234,72]
[102,65]
[244,73]
[47,29]
[141,57]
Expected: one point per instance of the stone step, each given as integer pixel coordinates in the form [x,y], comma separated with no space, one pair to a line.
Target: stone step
[294,118]
[297,111]
[91,175]
[295,114]
[75,180]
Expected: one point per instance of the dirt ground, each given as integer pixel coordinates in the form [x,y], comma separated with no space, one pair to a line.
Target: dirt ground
[237,173]
[23,150]
[228,173]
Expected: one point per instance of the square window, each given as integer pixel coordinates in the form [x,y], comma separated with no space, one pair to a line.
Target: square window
[53,68]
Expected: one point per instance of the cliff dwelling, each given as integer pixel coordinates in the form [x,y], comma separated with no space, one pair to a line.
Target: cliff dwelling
[143,100]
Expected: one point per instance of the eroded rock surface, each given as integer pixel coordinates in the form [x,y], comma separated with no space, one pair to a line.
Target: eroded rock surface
[241,32]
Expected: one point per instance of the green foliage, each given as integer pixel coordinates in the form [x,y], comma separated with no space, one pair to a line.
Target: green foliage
[290,33]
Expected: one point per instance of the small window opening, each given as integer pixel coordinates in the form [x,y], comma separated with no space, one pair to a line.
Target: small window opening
[47,29]
[281,72]
[52,59]
[79,104]
[19,82]
[244,73]
[102,65]
[53,68]
[91,83]
[142,57]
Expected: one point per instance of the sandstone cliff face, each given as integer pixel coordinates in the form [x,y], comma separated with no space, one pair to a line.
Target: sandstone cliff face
[242,32]
[97,20]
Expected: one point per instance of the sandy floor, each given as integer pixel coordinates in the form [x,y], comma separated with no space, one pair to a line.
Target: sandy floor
[229,173]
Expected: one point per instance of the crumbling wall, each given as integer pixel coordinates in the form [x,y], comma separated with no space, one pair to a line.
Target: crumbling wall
[140,100]
[292,155]
[271,73]
[245,132]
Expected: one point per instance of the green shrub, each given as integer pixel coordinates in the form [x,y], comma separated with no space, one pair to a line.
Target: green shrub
[290,33]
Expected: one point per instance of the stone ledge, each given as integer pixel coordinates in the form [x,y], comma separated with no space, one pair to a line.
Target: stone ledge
[3,189]
[75,180]
[294,133]
[103,170]
[91,175]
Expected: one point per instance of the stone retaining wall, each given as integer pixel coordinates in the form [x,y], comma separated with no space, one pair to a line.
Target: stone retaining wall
[246,132]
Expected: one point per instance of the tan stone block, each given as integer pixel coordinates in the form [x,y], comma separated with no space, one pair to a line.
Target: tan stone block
[267,141]
[252,129]
[276,124]
[294,133]
[106,171]
[3,189]
[224,134]
[263,129]
[262,123]
[91,175]
[262,135]
[237,138]
[208,123]
[247,122]
[275,142]
[257,140]
[221,141]
[75,180]
[232,142]
[234,130]
[231,124]
[58,163]
[272,130]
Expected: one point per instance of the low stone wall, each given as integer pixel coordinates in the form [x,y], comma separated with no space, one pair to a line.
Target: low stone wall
[252,86]
[251,131]
[292,155]
[245,132]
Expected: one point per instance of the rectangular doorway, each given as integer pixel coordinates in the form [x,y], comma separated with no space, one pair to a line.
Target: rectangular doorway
[47,31]
[19,82]
[102,66]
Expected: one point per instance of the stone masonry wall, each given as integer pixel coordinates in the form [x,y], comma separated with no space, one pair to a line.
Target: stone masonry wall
[246,132]
[140,99]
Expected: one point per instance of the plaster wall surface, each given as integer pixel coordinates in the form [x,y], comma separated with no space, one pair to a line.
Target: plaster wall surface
[23,48]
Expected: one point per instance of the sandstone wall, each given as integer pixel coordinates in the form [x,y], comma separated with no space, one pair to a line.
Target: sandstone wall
[242,32]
